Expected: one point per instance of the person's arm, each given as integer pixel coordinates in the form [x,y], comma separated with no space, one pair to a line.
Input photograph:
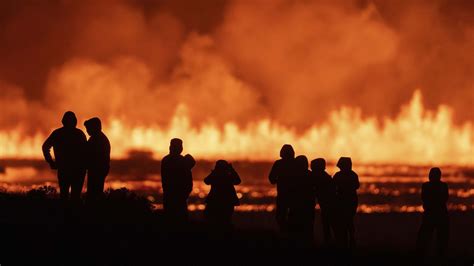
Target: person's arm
[424,195]
[445,193]
[210,178]
[47,145]
[235,176]
[85,151]
[107,151]
[189,183]
[356,184]
[164,174]
[273,176]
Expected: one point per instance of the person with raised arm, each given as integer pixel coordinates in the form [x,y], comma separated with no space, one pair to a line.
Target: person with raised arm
[222,197]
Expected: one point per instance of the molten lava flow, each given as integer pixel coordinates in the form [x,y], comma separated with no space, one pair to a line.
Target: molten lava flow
[414,136]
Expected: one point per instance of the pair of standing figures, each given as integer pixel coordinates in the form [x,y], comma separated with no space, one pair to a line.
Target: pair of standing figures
[298,190]
[74,155]
[177,182]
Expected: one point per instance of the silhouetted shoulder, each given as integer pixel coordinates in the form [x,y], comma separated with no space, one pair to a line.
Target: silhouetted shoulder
[275,171]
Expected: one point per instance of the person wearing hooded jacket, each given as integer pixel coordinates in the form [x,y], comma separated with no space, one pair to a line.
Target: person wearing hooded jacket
[98,158]
[222,197]
[326,195]
[281,174]
[347,183]
[68,143]
[434,195]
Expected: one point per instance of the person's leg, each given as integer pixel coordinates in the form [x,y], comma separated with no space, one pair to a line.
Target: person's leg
[424,235]
[76,184]
[351,226]
[282,214]
[93,185]
[442,236]
[325,221]
[100,185]
[64,184]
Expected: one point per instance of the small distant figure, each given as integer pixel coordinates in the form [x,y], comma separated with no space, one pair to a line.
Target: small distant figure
[222,198]
[435,217]
[302,204]
[326,195]
[347,183]
[177,182]
[282,174]
[69,144]
[98,158]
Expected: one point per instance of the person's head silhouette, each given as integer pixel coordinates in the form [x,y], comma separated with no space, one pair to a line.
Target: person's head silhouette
[176,146]
[435,174]
[287,152]
[189,161]
[93,126]
[69,119]
[301,162]
[318,164]
[221,165]
[345,163]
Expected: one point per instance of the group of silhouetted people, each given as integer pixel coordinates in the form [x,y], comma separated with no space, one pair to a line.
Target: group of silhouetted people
[177,182]
[299,188]
[74,155]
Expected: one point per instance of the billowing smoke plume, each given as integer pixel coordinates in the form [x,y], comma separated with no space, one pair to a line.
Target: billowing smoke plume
[239,61]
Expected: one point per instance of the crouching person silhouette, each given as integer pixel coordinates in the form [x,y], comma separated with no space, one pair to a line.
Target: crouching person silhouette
[222,198]
[177,182]
[98,158]
[68,143]
[434,195]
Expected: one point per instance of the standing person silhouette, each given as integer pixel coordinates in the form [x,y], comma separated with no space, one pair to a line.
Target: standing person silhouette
[222,198]
[98,158]
[68,143]
[177,182]
[301,204]
[281,174]
[434,195]
[347,183]
[326,195]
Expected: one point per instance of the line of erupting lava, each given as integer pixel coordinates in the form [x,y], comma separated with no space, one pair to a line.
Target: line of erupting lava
[414,136]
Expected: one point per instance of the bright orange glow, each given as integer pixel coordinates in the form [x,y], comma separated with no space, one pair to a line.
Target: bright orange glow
[414,136]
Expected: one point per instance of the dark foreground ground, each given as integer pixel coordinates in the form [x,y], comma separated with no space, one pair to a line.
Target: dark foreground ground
[36,229]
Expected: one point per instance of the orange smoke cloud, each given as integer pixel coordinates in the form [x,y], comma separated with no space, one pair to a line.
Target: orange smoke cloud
[293,67]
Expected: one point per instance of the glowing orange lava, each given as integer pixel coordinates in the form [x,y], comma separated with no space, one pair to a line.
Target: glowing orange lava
[414,136]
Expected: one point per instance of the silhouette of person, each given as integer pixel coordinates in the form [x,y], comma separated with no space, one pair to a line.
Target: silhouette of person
[347,183]
[434,195]
[301,203]
[68,143]
[326,195]
[222,198]
[189,163]
[177,182]
[98,158]
[281,174]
